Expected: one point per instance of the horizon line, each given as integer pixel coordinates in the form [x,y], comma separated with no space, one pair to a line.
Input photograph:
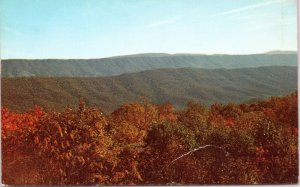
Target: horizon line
[162,53]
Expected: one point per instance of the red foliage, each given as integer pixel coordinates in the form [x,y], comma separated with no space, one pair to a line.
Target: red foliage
[17,122]
[137,142]
[230,121]
[295,131]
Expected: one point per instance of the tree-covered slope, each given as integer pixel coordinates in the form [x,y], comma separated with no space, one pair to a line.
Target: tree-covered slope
[135,63]
[162,85]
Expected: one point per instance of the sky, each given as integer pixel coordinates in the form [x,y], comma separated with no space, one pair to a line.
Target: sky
[39,29]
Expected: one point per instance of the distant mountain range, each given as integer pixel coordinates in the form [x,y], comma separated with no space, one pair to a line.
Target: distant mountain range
[160,85]
[281,52]
[140,62]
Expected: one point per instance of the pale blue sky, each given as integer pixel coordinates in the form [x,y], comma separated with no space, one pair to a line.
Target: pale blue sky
[102,28]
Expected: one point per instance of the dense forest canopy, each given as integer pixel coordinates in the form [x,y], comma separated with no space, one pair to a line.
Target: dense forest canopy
[143,143]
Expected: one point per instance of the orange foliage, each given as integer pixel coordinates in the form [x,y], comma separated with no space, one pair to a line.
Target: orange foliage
[16,122]
[144,143]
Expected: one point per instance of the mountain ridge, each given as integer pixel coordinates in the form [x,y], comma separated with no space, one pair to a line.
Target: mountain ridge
[177,86]
[281,52]
[136,63]
[159,54]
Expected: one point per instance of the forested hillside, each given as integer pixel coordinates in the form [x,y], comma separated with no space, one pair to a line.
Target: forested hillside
[136,63]
[177,86]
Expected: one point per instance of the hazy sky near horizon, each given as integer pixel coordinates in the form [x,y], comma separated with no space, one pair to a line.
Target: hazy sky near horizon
[102,28]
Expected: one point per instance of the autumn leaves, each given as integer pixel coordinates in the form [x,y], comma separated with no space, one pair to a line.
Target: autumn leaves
[137,144]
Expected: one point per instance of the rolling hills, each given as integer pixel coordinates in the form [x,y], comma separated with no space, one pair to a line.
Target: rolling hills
[140,62]
[160,85]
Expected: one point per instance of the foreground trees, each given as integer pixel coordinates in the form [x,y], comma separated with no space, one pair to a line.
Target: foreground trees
[143,143]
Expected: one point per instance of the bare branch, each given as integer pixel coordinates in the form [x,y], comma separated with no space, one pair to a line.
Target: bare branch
[190,152]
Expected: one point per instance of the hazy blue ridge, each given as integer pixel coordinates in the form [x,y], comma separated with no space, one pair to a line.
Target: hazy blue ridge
[136,63]
[177,86]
